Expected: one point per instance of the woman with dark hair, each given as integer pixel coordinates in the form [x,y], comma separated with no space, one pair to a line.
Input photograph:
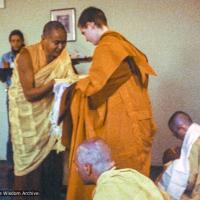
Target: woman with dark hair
[16,40]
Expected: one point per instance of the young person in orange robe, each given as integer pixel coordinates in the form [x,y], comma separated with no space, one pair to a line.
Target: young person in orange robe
[111,103]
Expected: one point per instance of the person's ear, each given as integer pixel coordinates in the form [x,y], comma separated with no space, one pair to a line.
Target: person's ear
[42,37]
[88,169]
[113,163]
[182,129]
[185,127]
[90,25]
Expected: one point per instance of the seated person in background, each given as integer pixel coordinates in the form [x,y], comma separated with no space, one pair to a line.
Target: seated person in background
[181,179]
[95,166]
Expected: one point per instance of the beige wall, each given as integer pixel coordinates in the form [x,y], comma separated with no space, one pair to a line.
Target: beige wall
[167,31]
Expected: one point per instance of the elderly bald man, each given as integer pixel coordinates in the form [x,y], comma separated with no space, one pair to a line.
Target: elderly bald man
[95,166]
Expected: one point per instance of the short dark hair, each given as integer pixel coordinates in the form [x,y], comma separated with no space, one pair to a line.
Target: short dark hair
[92,14]
[16,32]
[52,25]
[179,117]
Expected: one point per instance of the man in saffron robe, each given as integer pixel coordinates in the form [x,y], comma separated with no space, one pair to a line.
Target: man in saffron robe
[112,102]
[37,166]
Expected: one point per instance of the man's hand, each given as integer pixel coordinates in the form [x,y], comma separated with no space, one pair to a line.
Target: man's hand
[186,197]
[6,65]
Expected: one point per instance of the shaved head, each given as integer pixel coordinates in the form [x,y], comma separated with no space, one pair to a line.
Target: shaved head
[179,123]
[95,152]
[54,40]
[93,157]
[52,25]
[179,118]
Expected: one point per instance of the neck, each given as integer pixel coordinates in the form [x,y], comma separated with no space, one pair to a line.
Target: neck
[15,52]
[101,31]
[49,59]
[110,166]
[47,56]
[104,29]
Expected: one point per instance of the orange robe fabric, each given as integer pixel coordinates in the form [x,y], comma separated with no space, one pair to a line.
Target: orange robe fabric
[113,103]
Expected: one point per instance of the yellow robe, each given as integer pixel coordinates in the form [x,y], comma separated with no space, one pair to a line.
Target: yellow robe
[126,184]
[30,122]
[113,103]
[193,187]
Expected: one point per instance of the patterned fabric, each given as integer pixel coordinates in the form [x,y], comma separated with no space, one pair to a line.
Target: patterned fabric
[30,122]
[193,187]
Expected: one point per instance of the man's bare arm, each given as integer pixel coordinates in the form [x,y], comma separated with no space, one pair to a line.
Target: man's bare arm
[26,75]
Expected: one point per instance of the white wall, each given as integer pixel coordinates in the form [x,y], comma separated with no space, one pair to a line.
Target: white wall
[167,31]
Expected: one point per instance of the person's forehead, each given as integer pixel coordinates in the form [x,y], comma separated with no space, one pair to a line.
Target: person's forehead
[15,37]
[56,33]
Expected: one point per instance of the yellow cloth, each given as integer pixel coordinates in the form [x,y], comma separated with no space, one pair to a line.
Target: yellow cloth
[194,175]
[125,184]
[117,111]
[193,185]
[30,121]
[182,174]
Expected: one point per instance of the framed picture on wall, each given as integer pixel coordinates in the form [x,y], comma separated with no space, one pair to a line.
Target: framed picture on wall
[2,4]
[67,18]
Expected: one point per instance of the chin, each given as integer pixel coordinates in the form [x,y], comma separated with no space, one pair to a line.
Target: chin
[88,183]
[95,43]
[55,55]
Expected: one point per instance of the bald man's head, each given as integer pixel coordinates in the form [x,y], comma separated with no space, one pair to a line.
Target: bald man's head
[179,122]
[93,157]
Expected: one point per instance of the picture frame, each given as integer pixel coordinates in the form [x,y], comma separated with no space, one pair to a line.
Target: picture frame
[2,3]
[67,17]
